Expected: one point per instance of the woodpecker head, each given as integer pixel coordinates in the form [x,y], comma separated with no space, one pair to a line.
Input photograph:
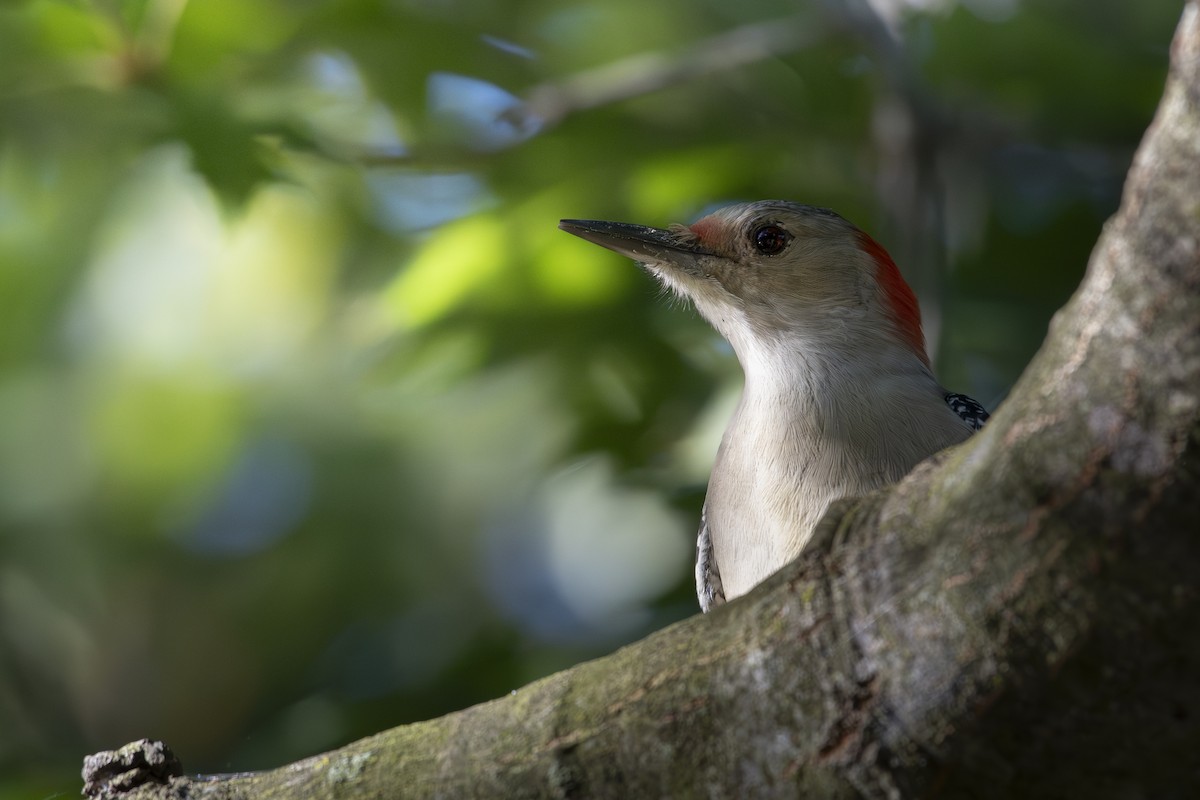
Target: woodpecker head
[775,271]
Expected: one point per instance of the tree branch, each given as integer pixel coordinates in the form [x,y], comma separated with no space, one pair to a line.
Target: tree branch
[550,103]
[1015,618]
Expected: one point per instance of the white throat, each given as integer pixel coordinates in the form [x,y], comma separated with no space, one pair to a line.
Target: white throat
[808,432]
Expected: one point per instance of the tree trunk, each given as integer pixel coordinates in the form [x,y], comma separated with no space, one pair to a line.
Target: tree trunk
[1018,617]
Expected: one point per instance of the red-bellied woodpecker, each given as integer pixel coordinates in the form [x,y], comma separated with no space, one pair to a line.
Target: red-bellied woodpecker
[839,398]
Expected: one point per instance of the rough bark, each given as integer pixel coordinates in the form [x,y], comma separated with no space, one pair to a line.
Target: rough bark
[1018,617]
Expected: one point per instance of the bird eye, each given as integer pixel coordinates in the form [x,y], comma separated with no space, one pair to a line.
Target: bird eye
[770,239]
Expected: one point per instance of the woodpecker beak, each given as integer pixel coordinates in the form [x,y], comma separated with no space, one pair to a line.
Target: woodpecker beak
[639,242]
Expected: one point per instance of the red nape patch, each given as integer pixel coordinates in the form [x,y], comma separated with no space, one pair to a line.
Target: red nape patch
[900,298]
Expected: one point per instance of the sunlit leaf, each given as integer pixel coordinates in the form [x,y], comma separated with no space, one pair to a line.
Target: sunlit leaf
[459,260]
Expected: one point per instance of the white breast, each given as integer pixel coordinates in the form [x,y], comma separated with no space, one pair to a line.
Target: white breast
[788,453]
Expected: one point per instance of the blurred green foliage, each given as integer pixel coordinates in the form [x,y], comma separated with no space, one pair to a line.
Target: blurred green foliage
[312,423]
